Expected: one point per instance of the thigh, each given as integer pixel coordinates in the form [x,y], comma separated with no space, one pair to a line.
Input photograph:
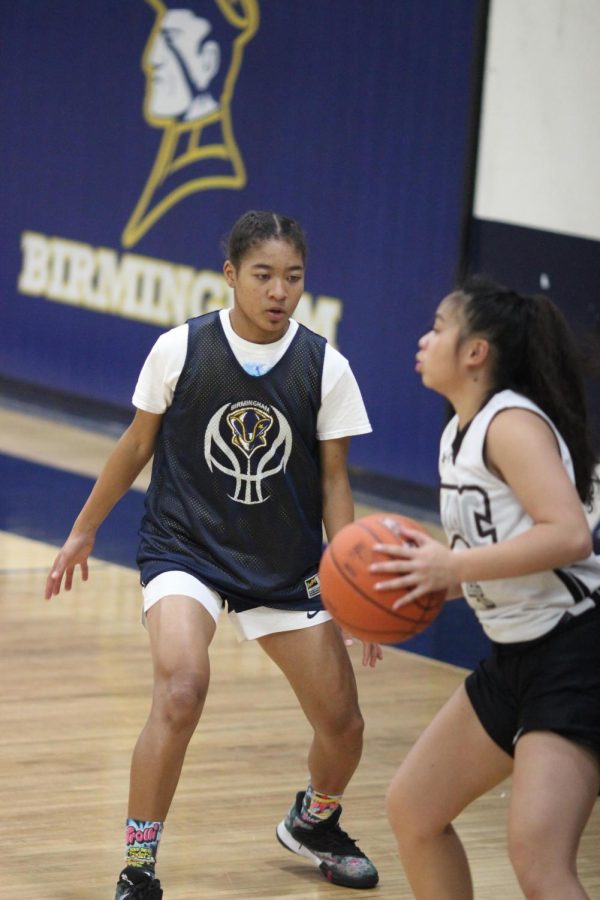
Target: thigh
[311,658]
[560,682]
[453,762]
[180,630]
[554,788]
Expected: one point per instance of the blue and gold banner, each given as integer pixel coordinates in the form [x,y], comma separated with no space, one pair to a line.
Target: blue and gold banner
[135,132]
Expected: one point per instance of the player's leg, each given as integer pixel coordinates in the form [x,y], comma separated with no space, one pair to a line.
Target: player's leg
[453,762]
[316,663]
[180,630]
[557,756]
[312,658]
[554,787]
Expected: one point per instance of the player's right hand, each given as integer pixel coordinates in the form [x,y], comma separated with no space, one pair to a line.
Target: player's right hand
[74,553]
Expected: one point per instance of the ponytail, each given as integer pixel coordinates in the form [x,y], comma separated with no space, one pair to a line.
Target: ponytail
[535,353]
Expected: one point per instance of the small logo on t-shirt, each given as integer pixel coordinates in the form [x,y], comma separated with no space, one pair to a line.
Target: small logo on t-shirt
[313,586]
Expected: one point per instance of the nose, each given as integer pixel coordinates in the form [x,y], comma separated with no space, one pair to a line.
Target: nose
[423,340]
[277,289]
[156,52]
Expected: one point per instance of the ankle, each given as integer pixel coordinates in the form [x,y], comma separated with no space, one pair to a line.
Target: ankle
[142,838]
[318,806]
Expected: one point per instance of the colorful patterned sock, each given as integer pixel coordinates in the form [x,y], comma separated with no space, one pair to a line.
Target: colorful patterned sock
[141,842]
[316,806]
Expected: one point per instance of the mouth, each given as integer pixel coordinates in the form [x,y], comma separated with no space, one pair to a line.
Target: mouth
[276,314]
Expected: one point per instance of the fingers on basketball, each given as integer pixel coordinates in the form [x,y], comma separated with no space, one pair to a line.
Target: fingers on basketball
[348,588]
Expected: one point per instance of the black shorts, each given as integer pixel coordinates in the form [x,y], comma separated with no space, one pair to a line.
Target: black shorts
[549,684]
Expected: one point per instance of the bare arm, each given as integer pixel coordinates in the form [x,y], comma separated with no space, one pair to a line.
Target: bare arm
[338,508]
[131,453]
[338,505]
[531,465]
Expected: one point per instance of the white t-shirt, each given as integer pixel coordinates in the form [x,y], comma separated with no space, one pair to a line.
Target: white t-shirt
[342,412]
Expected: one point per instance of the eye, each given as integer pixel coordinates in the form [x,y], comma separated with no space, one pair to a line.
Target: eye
[293,279]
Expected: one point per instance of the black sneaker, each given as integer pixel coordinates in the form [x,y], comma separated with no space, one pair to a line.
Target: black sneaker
[335,853]
[137,883]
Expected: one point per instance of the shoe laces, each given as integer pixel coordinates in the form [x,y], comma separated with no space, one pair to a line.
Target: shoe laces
[334,839]
[145,889]
[149,891]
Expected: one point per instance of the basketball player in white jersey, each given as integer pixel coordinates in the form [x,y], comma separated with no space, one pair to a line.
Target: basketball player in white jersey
[516,466]
[248,416]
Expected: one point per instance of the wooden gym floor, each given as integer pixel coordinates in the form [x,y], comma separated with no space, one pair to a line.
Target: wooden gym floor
[76,680]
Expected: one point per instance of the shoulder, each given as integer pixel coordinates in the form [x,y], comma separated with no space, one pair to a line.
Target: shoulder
[334,364]
[519,425]
[172,341]
[510,415]
[520,435]
[308,332]
[334,359]
[507,400]
[167,356]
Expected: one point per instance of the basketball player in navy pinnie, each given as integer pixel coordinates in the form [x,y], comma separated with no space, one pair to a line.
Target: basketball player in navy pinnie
[517,473]
[248,415]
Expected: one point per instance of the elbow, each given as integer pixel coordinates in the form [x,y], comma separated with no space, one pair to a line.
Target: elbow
[580,545]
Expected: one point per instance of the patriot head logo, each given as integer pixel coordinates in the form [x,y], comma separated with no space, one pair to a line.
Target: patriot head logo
[251,442]
[191,61]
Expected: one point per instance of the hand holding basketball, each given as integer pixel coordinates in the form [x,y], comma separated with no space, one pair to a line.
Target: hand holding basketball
[415,567]
[348,583]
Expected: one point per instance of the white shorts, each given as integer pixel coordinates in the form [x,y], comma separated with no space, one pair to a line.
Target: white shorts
[248,625]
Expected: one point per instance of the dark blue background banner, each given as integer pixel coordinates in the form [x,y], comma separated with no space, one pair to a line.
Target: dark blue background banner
[134,134]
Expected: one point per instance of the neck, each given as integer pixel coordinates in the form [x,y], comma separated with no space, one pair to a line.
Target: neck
[468,401]
[201,106]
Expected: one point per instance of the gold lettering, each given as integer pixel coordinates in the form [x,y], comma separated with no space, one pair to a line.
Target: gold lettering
[33,278]
[140,287]
[321,315]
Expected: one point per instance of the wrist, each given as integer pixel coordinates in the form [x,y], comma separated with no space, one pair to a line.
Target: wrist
[85,530]
[457,566]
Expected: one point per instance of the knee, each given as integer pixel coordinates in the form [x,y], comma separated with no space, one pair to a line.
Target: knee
[356,725]
[538,877]
[179,700]
[351,728]
[341,727]
[394,807]
[398,810]
[409,818]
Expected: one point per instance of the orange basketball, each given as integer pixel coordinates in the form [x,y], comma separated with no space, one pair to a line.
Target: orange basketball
[348,588]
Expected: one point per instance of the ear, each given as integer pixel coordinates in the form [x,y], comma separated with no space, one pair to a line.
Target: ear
[229,272]
[478,352]
[207,64]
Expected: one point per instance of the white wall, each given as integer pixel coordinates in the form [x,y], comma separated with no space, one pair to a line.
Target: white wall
[539,156]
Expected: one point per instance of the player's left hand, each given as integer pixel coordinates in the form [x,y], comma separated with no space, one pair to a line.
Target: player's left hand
[371,652]
[421,565]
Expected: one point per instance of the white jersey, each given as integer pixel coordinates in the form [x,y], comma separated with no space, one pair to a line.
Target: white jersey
[478,508]
[342,412]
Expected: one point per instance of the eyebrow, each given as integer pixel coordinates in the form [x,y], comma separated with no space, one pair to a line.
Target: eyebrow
[295,268]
